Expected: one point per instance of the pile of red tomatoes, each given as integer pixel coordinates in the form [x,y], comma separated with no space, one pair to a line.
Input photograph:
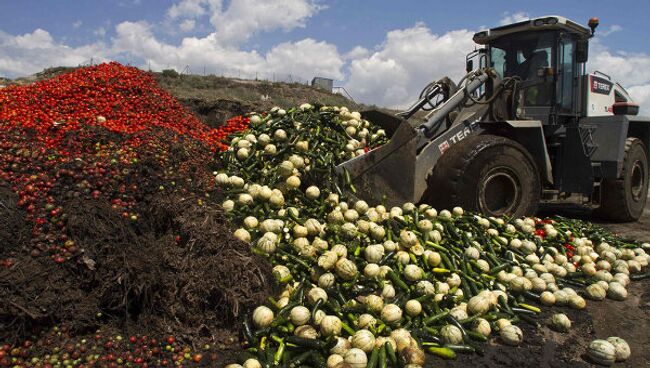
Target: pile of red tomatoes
[82,135]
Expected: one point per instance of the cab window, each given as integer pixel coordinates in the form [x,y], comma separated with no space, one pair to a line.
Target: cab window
[526,56]
[566,74]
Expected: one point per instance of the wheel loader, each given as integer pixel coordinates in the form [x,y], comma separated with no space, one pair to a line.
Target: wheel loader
[526,125]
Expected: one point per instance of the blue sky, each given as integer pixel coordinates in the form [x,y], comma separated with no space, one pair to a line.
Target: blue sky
[346,23]
[409,40]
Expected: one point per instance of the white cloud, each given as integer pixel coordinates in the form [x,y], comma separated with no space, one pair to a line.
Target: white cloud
[302,59]
[631,70]
[218,51]
[406,61]
[187,9]
[77,24]
[641,95]
[136,39]
[32,52]
[187,25]
[613,29]
[244,18]
[100,32]
[357,53]
[306,58]
[30,41]
[515,17]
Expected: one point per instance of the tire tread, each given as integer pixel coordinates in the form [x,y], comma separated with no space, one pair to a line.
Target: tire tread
[614,205]
[445,182]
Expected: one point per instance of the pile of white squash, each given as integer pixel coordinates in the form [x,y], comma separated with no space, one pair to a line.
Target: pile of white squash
[371,286]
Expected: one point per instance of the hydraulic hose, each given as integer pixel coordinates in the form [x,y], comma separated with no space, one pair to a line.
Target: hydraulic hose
[506,83]
[474,80]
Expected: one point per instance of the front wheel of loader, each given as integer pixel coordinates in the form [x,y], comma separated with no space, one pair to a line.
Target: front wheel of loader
[489,174]
[623,199]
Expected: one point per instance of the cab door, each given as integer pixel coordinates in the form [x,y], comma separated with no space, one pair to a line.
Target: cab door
[568,78]
[573,169]
[536,98]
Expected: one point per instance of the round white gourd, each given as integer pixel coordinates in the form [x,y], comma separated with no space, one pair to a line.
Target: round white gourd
[511,335]
[262,316]
[602,352]
[356,358]
[622,348]
[560,322]
[451,334]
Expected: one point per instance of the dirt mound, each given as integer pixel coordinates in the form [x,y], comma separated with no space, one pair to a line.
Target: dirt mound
[13,230]
[109,221]
[215,112]
[214,99]
[179,271]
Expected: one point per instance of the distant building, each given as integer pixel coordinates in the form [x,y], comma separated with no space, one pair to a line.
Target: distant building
[324,83]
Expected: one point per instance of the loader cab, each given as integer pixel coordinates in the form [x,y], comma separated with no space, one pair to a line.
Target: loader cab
[546,56]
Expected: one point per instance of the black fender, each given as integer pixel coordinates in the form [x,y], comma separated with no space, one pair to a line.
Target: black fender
[640,128]
[608,135]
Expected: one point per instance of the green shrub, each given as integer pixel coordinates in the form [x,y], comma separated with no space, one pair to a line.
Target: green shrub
[170,73]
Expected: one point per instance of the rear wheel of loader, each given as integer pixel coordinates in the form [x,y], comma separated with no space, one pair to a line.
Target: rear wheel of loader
[486,173]
[624,199]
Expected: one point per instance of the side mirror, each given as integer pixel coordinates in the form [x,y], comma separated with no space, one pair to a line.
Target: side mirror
[469,65]
[582,51]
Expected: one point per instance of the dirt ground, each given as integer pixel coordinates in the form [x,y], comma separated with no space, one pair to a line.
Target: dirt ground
[545,348]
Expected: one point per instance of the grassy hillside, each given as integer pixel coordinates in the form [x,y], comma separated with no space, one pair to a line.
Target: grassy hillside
[215,99]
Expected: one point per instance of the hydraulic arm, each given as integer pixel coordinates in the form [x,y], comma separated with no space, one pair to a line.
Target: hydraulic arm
[396,171]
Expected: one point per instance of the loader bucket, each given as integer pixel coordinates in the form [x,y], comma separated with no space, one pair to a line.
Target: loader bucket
[386,174]
[386,121]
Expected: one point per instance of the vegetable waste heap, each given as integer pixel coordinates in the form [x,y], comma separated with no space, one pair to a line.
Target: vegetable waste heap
[111,247]
[374,286]
[83,134]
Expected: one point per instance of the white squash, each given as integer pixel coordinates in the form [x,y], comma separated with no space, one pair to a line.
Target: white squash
[364,340]
[622,348]
[299,315]
[511,335]
[602,352]
[560,322]
[330,326]
[262,316]
[451,334]
[391,313]
[356,358]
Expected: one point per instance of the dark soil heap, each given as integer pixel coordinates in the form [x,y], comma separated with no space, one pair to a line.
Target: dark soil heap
[111,224]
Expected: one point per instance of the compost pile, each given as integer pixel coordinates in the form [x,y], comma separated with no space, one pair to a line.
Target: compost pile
[112,243]
[365,286]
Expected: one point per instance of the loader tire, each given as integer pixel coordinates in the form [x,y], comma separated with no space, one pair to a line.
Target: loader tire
[489,174]
[624,199]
